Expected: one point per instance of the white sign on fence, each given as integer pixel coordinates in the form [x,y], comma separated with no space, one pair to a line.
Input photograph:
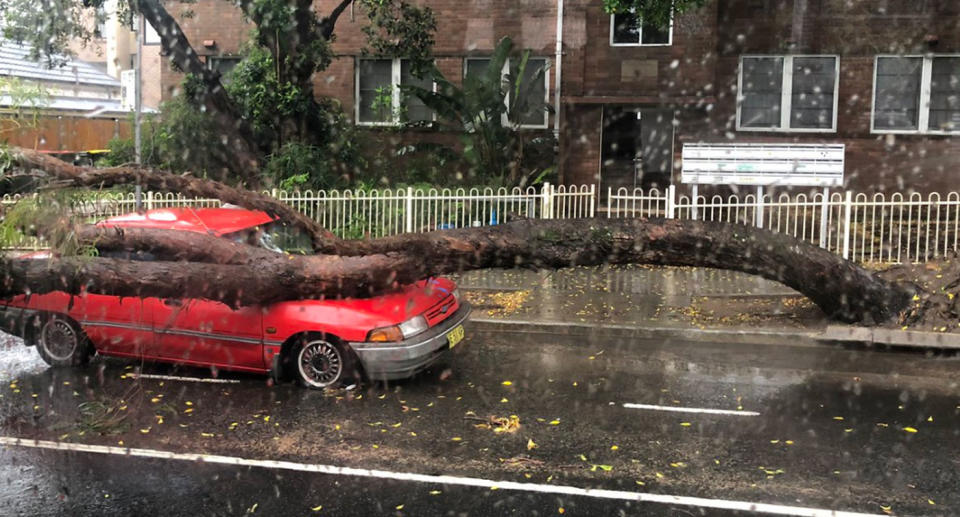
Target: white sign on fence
[809,165]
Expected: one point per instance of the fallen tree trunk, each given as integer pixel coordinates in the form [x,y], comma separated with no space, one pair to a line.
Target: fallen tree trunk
[195,265]
[840,288]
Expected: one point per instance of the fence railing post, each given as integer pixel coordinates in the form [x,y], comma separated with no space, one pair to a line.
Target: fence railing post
[546,205]
[408,210]
[824,218]
[671,202]
[593,200]
[694,194]
[758,213]
[847,209]
[149,200]
[610,203]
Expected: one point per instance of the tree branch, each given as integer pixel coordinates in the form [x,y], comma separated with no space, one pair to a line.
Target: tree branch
[69,175]
[329,22]
[213,97]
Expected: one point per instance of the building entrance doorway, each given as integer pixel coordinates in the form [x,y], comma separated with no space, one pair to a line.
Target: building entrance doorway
[637,148]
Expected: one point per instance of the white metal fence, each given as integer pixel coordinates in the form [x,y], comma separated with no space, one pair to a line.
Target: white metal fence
[867,228]
[375,213]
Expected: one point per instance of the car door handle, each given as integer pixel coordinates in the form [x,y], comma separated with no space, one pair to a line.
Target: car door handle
[172,302]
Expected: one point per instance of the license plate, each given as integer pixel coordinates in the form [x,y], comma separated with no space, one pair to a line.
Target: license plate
[455,336]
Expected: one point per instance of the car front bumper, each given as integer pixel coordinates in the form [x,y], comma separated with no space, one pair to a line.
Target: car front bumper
[402,359]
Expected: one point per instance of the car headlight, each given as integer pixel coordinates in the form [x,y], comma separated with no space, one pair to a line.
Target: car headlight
[413,326]
[405,330]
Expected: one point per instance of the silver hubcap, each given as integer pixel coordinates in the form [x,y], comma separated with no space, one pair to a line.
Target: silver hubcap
[320,364]
[59,339]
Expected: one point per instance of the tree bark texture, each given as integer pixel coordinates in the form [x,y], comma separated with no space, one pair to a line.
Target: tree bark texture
[245,274]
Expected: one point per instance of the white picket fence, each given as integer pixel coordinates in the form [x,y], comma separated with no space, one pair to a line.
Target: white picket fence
[375,213]
[866,228]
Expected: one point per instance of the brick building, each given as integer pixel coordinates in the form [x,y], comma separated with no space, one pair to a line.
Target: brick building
[882,77]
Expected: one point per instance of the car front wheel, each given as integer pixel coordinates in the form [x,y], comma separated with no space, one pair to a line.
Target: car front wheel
[61,342]
[321,363]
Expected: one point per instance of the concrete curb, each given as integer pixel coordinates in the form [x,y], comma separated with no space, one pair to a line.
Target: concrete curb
[892,337]
[748,336]
[831,335]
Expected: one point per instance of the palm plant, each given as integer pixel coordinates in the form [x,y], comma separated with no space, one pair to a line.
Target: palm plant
[488,110]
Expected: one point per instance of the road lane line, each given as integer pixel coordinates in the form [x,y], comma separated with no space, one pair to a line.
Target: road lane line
[186,379]
[677,409]
[621,495]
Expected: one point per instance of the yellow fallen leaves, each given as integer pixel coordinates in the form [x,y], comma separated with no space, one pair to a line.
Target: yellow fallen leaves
[399,507]
[531,445]
[685,424]
[435,492]
[614,447]
[456,439]
[317,508]
[507,383]
[555,422]
[506,425]
[910,429]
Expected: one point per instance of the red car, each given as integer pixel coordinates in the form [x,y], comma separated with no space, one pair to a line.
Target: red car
[321,343]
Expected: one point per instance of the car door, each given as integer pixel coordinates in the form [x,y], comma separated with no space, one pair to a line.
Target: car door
[205,332]
[115,325]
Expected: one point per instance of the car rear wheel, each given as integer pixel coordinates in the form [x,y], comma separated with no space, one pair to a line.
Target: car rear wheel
[324,363]
[61,342]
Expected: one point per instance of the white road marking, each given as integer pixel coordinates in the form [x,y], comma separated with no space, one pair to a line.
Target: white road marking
[723,504]
[677,409]
[186,379]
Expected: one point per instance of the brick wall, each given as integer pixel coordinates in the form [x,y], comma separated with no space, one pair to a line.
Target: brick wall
[696,75]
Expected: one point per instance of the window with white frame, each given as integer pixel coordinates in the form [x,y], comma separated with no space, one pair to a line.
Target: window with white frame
[628,30]
[380,101]
[916,94]
[788,93]
[537,90]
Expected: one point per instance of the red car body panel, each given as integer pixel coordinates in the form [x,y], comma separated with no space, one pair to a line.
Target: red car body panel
[208,333]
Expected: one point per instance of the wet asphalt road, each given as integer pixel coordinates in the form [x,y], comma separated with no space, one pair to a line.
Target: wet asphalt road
[838,428]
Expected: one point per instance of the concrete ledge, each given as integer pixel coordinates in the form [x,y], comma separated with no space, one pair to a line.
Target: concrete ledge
[832,334]
[892,337]
[746,336]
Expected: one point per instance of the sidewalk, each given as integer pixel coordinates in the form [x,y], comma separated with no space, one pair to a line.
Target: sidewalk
[676,301]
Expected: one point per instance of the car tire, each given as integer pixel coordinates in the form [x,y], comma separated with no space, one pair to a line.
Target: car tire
[318,362]
[61,342]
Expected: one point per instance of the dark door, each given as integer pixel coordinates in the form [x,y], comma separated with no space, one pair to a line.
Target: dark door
[637,148]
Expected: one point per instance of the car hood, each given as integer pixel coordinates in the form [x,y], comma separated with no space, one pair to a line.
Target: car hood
[353,318]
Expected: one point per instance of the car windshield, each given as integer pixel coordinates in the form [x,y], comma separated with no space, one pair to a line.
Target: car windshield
[276,237]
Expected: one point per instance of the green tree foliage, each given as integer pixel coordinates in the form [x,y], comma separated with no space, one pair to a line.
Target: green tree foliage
[654,12]
[26,100]
[268,108]
[487,110]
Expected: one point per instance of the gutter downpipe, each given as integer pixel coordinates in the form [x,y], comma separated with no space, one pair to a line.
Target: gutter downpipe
[558,66]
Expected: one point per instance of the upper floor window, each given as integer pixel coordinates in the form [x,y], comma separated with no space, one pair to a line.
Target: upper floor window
[788,93]
[628,30]
[380,101]
[532,114]
[916,94]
